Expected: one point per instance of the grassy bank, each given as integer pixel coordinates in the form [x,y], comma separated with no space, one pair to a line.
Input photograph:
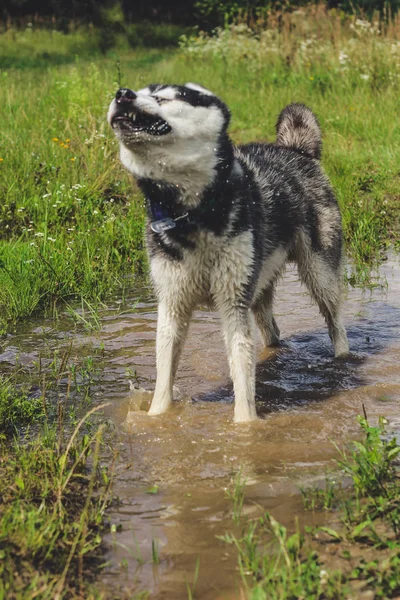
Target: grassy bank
[70,218]
[54,486]
[355,555]
[53,497]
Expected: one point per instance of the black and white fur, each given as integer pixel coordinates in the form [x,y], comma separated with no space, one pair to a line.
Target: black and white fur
[239,214]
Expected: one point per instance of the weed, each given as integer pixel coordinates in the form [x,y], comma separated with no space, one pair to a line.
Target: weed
[372,463]
[235,493]
[192,588]
[325,498]
[155,555]
[88,316]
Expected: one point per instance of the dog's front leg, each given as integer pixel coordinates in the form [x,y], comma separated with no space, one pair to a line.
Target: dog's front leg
[172,326]
[238,325]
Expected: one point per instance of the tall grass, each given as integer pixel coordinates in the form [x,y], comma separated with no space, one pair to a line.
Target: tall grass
[70,223]
[71,219]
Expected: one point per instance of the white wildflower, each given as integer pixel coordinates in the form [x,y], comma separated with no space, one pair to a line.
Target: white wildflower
[323,575]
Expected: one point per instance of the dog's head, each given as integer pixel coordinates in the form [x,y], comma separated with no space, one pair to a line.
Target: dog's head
[172,133]
[165,114]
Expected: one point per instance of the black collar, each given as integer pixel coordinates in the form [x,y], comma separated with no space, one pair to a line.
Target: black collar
[167,212]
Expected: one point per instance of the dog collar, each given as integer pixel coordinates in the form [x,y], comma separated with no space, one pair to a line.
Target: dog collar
[167,223]
[161,218]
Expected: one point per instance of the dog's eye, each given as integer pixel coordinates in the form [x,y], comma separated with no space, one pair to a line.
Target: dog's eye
[161,100]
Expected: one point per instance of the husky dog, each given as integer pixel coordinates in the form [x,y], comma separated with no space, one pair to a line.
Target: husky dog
[224,220]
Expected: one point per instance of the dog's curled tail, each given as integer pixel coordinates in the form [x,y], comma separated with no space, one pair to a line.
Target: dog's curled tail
[297,127]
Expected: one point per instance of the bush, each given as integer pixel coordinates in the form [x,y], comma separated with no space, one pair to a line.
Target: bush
[154,35]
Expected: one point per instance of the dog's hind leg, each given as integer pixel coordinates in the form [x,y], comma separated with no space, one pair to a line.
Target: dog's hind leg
[264,318]
[172,327]
[325,286]
[238,326]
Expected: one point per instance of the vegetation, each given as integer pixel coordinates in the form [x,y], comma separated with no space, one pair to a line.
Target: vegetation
[53,489]
[52,513]
[17,408]
[71,220]
[53,184]
[203,13]
[363,536]
[235,493]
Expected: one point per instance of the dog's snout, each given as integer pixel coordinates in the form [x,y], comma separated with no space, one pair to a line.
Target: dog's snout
[125,96]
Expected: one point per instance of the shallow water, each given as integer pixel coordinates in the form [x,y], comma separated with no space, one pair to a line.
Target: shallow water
[306,399]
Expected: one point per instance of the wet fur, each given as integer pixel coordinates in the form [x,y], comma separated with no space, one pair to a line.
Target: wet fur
[250,209]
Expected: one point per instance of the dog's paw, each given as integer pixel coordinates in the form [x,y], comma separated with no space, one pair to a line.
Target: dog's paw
[245,414]
[342,350]
[139,399]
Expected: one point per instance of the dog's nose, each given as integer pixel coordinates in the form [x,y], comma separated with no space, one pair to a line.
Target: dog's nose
[125,96]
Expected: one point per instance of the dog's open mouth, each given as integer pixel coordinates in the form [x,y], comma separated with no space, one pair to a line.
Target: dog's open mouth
[137,122]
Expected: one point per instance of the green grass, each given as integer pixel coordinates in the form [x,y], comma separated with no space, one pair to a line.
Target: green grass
[71,220]
[235,493]
[53,498]
[35,47]
[56,386]
[53,490]
[277,566]
[17,408]
[321,499]
[363,533]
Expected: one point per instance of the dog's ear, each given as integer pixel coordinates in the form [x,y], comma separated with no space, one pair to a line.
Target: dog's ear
[199,88]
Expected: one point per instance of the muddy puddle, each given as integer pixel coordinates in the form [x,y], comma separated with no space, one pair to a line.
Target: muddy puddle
[306,400]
